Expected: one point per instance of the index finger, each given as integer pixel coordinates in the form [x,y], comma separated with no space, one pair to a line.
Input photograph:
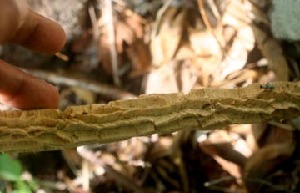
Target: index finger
[40,34]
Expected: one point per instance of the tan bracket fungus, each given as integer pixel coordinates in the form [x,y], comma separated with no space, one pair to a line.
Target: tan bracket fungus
[203,109]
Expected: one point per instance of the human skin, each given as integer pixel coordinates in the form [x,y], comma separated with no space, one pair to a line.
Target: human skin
[20,25]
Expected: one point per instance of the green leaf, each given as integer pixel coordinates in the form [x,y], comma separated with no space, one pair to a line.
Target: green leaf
[33,184]
[21,191]
[10,169]
[21,187]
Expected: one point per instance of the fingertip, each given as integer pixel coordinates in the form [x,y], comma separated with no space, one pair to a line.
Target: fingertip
[40,34]
[24,91]
[35,94]
[32,94]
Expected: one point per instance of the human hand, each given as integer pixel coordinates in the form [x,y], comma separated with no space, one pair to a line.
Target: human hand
[20,25]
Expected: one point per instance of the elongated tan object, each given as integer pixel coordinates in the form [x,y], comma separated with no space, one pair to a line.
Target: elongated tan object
[204,109]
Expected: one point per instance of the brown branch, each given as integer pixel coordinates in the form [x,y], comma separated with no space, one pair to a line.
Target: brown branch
[75,80]
[204,109]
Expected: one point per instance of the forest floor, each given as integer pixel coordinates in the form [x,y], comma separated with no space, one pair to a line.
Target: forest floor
[123,49]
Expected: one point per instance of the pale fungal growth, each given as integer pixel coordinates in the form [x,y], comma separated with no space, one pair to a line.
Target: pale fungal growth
[203,109]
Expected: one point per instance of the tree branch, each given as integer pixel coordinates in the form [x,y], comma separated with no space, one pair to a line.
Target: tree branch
[204,109]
